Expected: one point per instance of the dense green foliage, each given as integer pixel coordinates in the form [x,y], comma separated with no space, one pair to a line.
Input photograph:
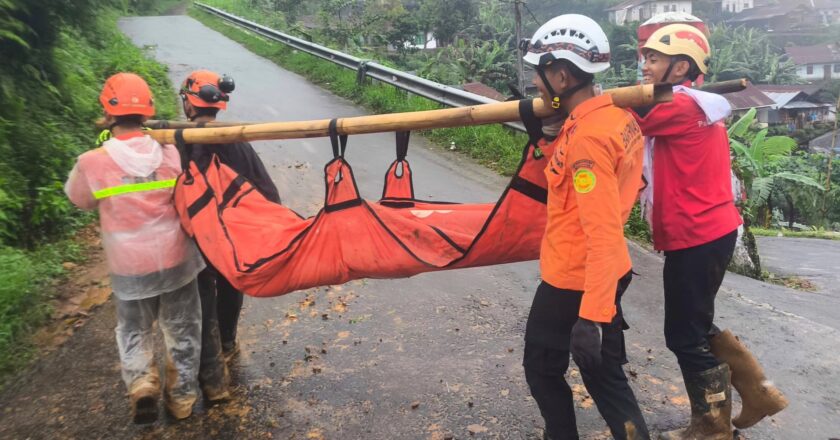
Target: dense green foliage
[783,186]
[55,57]
[54,64]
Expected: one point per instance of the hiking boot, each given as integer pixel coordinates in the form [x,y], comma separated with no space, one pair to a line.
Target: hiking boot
[180,407]
[144,395]
[711,406]
[759,397]
[215,388]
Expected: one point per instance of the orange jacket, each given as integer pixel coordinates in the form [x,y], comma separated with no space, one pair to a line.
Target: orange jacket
[594,177]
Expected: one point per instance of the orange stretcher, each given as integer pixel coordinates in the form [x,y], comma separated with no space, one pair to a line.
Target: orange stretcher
[266,249]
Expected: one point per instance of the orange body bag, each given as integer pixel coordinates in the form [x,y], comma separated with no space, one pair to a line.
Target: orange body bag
[266,249]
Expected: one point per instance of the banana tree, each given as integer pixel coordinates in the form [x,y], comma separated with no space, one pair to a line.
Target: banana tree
[755,156]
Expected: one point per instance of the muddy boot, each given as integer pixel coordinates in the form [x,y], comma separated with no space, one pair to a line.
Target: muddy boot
[143,395]
[230,350]
[759,397]
[178,406]
[711,406]
[215,386]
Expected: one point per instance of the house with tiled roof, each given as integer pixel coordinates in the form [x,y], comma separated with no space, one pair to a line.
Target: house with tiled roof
[640,10]
[816,63]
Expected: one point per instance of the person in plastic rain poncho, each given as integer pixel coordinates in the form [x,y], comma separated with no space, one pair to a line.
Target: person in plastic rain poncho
[152,263]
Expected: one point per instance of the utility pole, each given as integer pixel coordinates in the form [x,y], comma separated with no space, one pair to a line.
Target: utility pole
[520,68]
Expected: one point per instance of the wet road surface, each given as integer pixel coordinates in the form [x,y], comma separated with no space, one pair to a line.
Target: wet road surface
[815,259]
[435,356]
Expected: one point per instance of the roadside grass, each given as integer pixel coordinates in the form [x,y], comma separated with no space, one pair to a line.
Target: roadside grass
[28,280]
[494,146]
[821,234]
[29,275]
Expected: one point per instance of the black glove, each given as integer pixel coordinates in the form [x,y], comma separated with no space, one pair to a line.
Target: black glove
[585,344]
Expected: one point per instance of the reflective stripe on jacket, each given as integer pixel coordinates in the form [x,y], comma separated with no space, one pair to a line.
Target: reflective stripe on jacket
[130,180]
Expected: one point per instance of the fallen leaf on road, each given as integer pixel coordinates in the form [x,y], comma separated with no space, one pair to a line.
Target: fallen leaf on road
[343,335]
[476,429]
[504,393]
[415,405]
[315,434]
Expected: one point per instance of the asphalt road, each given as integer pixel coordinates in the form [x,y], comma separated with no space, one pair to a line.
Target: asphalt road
[813,259]
[434,356]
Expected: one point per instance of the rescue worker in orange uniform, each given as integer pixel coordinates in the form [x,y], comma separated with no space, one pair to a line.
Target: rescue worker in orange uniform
[204,93]
[690,205]
[594,177]
[152,263]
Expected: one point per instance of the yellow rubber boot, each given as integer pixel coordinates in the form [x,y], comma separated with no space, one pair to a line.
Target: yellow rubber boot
[759,397]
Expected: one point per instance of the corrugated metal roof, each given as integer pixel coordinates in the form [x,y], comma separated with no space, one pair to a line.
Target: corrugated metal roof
[803,104]
[748,98]
[782,98]
[808,89]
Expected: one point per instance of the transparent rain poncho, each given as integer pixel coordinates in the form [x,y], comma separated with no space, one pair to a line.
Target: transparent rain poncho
[131,182]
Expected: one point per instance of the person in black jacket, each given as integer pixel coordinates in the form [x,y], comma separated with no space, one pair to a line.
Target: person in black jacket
[204,94]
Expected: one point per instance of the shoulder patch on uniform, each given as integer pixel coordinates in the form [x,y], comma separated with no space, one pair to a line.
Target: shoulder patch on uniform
[583,163]
[584,180]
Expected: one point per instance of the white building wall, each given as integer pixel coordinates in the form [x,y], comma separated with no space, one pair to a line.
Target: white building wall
[647,10]
[736,6]
[817,71]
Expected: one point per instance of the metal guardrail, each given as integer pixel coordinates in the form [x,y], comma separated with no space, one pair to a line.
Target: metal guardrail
[437,92]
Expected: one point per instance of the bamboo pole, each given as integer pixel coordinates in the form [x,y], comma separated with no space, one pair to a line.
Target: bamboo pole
[634,96]
[723,87]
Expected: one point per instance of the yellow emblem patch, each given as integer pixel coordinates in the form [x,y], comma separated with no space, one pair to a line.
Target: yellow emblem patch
[584,180]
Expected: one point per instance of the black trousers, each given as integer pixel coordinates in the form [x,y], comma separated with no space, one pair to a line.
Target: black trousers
[211,369]
[692,278]
[220,307]
[229,305]
[547,333]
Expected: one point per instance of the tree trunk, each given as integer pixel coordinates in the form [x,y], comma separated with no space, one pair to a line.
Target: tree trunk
[745,260]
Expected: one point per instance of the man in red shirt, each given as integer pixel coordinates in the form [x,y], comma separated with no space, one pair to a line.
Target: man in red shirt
[690,206]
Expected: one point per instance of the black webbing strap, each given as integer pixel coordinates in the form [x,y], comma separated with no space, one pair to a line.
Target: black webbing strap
[335,139]
[200,203]
[185,151]
[530,189]
[343,205]
[533,124]
[402,144]
[231,191]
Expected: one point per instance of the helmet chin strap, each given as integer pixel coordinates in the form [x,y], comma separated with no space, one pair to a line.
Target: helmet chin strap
[556,97]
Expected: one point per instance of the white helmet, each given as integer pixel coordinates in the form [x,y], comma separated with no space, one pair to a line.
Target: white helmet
[572,37]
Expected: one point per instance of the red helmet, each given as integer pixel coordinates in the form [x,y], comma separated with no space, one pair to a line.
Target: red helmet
[204,88]
[127,94]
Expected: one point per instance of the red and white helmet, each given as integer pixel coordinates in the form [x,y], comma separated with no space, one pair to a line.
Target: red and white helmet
[572,37]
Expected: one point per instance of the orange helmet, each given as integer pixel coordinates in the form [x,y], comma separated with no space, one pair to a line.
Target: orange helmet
[204,88]
[127,94]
